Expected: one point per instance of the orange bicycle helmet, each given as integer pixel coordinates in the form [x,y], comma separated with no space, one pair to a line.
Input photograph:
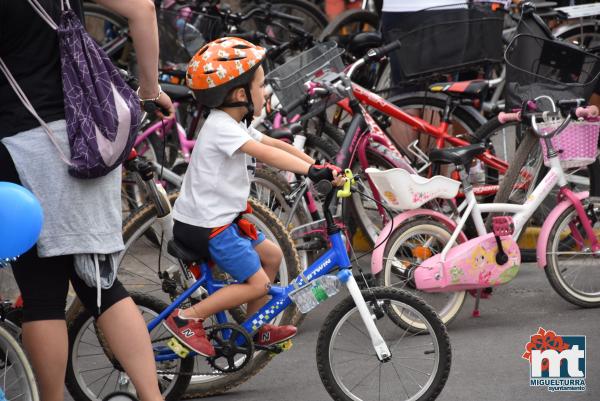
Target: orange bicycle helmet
[220,66]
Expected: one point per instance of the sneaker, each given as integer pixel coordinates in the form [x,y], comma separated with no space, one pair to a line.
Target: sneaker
[270,334]
[189,332]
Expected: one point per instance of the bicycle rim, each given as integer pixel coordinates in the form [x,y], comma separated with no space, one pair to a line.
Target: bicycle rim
[94,371]
[404,346]
[16,376]
[572,262]
[401,261]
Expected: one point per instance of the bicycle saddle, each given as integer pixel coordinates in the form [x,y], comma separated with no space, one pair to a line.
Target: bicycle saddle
[176,92]
[363,41]
[463,155]
[176,249]
[286,133]
[467,89]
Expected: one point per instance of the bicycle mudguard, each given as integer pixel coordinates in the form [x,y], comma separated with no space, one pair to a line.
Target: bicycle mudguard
[379,253]
[542,241]
[473,112]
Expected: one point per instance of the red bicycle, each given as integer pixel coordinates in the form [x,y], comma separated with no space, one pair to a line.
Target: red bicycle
[364,140]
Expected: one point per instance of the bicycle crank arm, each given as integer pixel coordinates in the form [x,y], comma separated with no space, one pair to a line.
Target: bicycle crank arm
[381,348]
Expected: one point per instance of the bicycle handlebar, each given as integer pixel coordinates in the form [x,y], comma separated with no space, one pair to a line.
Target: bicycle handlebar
[284,16]
[587,112]
[152,107]
[504,118]
[267,14]
[373,55]
[379,52]
[581,112]
[291,106]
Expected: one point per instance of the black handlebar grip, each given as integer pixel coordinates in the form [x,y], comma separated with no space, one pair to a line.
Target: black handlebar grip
[288,108]
[291,18]
[249,36]
[152,107]
[377,53]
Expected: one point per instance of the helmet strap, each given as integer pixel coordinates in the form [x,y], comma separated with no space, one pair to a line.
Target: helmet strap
[249,105]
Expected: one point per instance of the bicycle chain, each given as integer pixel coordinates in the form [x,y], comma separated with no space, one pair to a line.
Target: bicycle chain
[192,373]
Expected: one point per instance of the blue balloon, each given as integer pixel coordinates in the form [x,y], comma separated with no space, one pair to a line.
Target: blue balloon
[21,219]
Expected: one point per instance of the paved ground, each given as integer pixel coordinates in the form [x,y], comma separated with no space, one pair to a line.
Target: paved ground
[486,364]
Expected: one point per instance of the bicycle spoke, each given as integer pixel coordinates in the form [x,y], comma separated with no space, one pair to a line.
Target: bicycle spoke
[353,352]
[96,369]
[364,378]
[106,382]
[401,381]
[411,376]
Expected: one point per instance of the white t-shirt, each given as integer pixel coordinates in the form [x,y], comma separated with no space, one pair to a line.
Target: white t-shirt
[216,185]
[403,6]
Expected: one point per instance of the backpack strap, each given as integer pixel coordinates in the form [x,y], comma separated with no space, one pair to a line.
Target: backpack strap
[37,7]
[42,13]
[21,95]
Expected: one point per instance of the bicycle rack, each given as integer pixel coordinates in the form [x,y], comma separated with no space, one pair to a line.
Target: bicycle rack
[420,155]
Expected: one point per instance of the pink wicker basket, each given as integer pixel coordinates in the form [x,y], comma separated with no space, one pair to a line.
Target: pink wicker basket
[577,145]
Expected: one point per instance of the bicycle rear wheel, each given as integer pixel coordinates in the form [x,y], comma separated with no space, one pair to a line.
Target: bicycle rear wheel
[314,19]
[16,376]
[409,245]
[109,30]
[350,370]
[138,271]
[464,123]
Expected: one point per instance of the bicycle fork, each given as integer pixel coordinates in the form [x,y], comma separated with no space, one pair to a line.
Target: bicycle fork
[381,348]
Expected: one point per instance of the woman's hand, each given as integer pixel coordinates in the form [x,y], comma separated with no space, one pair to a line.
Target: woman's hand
[163,101]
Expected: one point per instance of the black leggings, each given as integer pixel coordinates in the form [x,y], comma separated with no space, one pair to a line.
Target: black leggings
[44,282]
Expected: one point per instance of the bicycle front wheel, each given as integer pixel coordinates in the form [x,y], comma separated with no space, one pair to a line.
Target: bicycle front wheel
[572,267]
[16,376]
[350,370]
[93,371]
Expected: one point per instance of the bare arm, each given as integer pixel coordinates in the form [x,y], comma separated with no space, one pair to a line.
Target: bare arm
[143,29]
[275,157]
[276,143]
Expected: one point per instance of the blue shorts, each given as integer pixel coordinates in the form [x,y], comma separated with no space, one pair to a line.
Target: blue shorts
[235,254]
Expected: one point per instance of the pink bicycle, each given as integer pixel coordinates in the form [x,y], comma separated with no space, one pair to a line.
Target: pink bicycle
[428,252]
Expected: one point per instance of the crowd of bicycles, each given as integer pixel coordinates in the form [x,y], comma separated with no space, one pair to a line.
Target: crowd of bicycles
[459,168]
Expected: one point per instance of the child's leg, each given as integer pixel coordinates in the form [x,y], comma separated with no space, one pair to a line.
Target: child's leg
[256,287]
[270,257]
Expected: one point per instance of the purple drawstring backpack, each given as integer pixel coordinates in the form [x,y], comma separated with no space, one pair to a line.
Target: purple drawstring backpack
[102,111]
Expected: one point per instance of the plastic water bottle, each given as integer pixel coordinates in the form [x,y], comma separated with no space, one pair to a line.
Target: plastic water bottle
[308,297]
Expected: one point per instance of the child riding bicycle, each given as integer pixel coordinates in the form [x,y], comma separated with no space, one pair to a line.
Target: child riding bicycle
[226,76]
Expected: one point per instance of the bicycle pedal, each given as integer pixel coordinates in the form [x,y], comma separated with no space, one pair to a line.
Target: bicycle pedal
[286,345]
[503,225]
[178,348]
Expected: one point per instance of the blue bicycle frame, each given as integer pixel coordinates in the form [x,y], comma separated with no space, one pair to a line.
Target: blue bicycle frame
[336,257]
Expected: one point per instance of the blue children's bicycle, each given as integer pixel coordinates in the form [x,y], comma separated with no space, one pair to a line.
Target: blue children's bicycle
[362,351]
